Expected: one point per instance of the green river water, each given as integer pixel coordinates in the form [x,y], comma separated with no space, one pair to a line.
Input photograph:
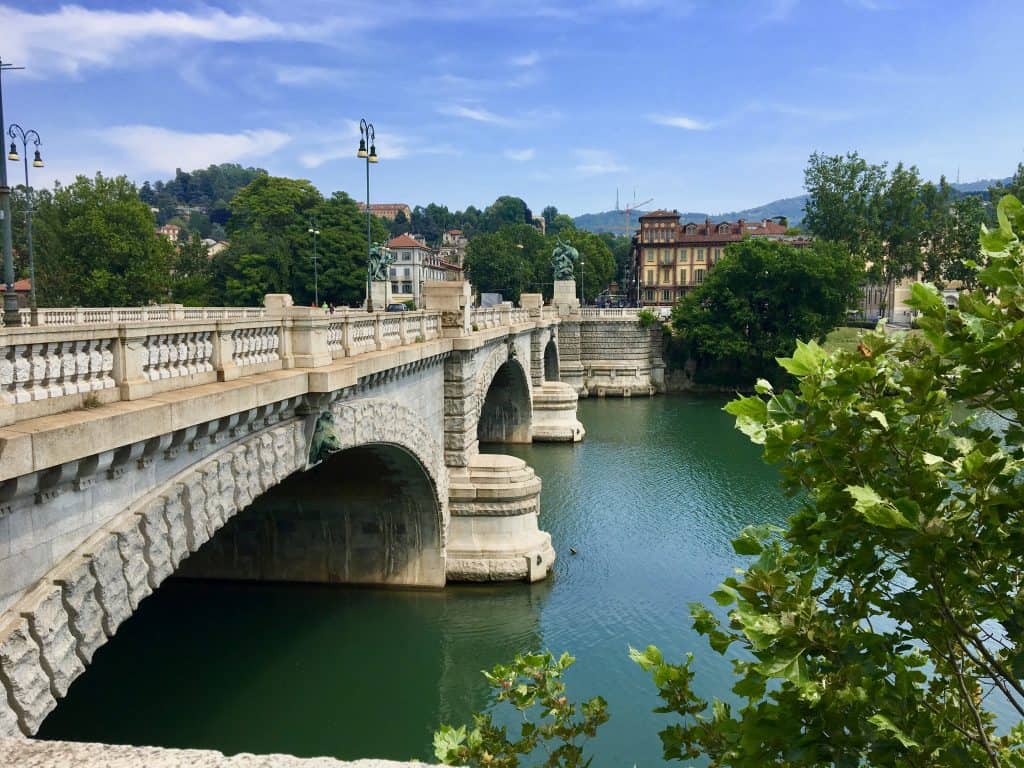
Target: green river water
[649,501]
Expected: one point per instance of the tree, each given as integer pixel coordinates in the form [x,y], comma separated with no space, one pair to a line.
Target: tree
[269,238]
[508,261]
[622,250]
[503,211]
[272,249]
[759,299]
[1014,187]
[877,628]
[95,245]
[192,275]
[881,626]
[842,195]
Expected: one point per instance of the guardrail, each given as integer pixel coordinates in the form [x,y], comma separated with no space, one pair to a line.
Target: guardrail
[79,316]
[80,357]
[610,312]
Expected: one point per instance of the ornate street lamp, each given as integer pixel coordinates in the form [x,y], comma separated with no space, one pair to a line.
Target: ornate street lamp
[11,314]
[316,276]
[17,132]
[366,140]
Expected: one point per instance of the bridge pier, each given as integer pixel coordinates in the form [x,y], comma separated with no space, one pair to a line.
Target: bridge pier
[494,534]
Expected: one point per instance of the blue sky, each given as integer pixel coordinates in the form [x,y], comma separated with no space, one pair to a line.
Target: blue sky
[701,105]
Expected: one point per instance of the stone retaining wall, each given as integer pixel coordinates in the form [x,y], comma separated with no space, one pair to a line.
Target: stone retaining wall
[29,753]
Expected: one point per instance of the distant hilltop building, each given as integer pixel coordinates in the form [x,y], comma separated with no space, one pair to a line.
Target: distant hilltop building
[453,246]
[171,231]
[671,258]
[388,211]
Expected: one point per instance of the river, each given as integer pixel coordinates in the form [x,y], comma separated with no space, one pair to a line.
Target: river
[649,501]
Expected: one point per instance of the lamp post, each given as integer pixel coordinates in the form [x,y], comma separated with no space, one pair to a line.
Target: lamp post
[17,132]
[11,315]
[316,275]
[582,296]
[367,150]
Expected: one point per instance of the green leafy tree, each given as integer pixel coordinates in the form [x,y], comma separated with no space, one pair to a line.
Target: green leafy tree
[1014,187]
[758,300]
[192,282]
[842,201]
[504,211]
[508,262]
[96,245]
[883,625]
[532,683]
[622,250]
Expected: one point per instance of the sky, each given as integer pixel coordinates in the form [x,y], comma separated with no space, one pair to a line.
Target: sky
[703,106]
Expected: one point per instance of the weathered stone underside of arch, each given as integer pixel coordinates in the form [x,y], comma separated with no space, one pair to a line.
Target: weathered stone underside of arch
[361,422]
[51,634]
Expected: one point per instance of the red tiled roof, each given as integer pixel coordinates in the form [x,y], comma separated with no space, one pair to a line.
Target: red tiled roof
[660,214]
[23,285]
[404,241]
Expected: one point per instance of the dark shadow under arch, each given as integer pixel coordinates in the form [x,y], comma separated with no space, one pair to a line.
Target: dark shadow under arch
[366,515]
[551,361]
[507,413]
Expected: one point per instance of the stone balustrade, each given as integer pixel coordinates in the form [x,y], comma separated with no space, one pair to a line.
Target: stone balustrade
[75,358]
[610,313]
[79,316]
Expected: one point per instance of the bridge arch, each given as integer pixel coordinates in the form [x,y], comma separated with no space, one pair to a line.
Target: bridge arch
[504,399]
[50,636]
[551,372]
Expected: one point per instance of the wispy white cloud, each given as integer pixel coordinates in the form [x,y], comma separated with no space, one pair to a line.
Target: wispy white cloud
[526,60]
[340,144]
[477,114]
[146,148]
[72,38]
[595,162]
[803,111]
[303,76]
[679,121]
[520,155]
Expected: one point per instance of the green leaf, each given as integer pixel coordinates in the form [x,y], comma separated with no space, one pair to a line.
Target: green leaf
[753,408]
[448,740]
[880,418]
[883,723]
[925,297]
[875,509]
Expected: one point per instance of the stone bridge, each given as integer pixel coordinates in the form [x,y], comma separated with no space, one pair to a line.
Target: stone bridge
[273,443]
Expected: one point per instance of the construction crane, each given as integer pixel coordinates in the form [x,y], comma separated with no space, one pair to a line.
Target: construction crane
[628,211]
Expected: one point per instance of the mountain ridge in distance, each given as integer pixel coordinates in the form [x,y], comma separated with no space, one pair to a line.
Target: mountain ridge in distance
[790,207]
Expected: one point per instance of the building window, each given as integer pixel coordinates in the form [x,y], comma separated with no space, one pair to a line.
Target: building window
[394,287]
[407,272]
[682,277]
[691,229]
[650,255]
[666,295]
[698,276]
[718,253]
[650,277]
[648,295]
[700,254]
[406,287]
[723,228]
[406,256]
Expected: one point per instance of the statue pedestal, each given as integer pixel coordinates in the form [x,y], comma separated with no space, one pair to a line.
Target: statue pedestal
[566,300]
[380,295]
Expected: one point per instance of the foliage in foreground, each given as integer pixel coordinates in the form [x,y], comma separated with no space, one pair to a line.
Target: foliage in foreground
[532,683]
[885,625]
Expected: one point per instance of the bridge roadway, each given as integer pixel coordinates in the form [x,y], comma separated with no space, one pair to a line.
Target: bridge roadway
[273,443]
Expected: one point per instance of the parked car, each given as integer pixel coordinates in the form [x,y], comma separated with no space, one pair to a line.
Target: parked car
[397,308]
